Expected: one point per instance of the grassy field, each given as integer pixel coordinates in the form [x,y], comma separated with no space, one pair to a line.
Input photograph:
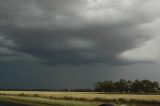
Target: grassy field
[78,98]
[38,101]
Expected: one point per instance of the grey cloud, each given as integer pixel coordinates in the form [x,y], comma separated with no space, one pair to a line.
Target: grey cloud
[76,32]
[6,42]
[8,53]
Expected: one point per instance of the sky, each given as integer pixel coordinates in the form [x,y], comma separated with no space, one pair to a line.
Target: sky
[57,44]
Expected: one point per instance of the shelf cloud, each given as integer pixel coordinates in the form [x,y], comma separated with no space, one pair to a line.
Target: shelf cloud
[57,44]
[116,32]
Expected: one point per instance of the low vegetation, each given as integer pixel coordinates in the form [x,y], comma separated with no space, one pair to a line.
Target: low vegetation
[124,86]
[38,101]
[79,98]
[130,93]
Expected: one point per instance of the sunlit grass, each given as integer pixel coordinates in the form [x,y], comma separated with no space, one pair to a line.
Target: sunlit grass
[45,101]
[78,98]
[88,95]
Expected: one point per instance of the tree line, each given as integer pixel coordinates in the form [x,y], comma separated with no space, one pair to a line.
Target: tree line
[127,86]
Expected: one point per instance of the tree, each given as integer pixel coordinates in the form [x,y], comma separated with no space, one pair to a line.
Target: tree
[124,86]
[99,86]
[121,86]
[136,86]
[155,87]
[109,86]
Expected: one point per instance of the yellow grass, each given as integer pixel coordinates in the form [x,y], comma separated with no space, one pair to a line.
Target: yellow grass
[87,95]
[37,101]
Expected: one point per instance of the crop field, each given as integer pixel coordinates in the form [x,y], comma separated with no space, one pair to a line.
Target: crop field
[78,98]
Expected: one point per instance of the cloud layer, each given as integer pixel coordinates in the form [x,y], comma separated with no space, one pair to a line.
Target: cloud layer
[79,32]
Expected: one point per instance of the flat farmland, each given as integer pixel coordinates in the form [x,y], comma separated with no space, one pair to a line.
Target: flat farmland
[85,97]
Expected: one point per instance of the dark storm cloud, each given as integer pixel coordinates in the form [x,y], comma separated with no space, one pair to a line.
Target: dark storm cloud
[74,31]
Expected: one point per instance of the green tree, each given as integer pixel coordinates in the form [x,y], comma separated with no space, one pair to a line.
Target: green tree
[99,86]
[136,86]
[124,86]
[121,86]
[109,86]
